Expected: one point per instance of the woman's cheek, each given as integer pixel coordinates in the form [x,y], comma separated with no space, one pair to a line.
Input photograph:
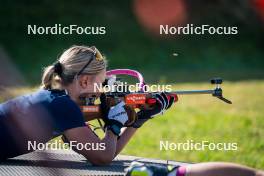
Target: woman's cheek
[90,88]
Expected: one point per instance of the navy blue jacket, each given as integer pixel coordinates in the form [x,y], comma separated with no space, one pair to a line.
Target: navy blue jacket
[36,117]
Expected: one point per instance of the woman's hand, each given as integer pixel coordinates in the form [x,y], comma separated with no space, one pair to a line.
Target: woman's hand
[116,118]
[163,103]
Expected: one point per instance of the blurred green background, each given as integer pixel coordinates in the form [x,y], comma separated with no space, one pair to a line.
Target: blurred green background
[239,59]
[128,45]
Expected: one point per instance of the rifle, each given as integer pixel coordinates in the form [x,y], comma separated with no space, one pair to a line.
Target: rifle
[137,100]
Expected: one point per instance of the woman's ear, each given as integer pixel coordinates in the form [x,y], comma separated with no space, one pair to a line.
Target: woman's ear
[84,81]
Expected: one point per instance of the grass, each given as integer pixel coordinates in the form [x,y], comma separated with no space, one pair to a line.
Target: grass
[202,117]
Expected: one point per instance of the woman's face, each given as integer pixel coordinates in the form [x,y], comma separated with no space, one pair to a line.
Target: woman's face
[87,82]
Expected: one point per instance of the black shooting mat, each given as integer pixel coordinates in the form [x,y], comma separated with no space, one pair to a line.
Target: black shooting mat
[67,162]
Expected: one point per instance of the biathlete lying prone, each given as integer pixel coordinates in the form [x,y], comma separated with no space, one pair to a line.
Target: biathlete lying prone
[54,110]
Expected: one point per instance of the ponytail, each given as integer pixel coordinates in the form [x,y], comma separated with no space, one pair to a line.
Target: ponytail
[47,77]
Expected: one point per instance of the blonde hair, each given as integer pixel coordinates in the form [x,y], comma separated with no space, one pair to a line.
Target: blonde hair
[70,63]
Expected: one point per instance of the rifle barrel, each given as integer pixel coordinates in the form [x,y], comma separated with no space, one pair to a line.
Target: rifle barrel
[186,92]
